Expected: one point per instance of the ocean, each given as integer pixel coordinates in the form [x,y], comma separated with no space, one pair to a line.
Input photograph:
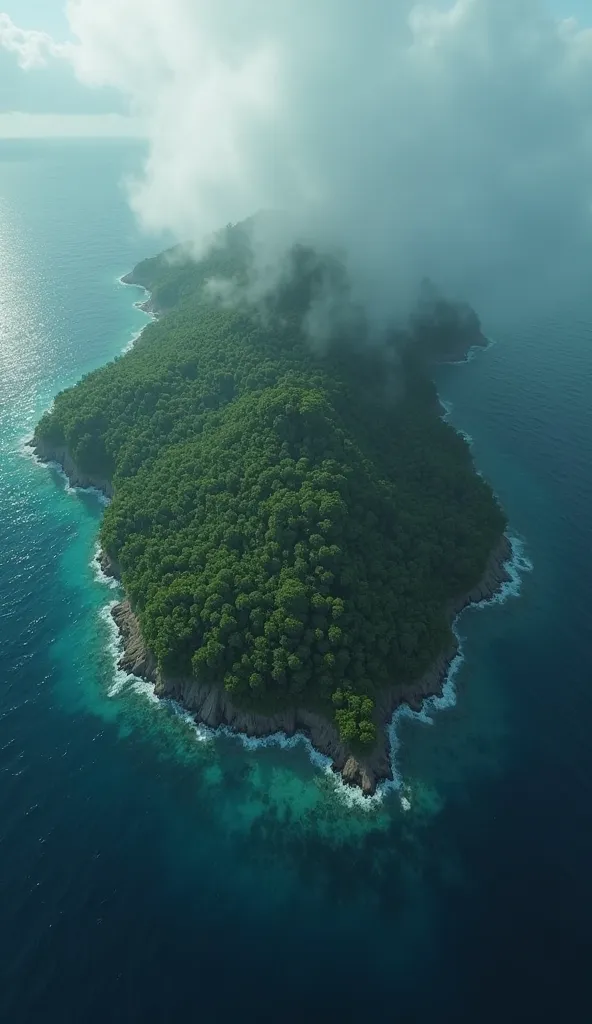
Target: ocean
[152,873]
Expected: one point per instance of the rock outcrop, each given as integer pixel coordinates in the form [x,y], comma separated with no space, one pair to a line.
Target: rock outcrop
[58,453]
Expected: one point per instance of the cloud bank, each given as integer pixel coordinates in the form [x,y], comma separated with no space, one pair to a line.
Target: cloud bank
[451,140]
[31,48]
[37,77]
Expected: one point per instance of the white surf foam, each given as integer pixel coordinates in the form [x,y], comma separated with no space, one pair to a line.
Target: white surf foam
[349,796]
[473,352]
[447,408]
[130,284]
[130,344]
[26,449]
[516,566]
[124,681]
[139,305]
[202,733]
[121,680]
[100,576]
[145,689]
[70,489]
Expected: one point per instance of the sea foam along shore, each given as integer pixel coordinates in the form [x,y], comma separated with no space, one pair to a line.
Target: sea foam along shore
[145,305]
[212,707]
[422,712]
[517,566]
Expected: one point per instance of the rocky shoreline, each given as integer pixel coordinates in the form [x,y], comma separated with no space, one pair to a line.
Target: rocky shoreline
[59,454]
[147,306]
[212,706]
[462,353]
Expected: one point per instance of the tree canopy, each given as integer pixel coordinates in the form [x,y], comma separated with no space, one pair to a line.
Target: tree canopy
[290,523]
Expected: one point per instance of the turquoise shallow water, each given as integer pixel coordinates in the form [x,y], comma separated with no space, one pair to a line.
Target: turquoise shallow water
[148,872]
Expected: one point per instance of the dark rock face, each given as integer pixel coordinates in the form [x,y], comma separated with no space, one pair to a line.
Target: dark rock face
[136,659]
[212,706]
[59,454]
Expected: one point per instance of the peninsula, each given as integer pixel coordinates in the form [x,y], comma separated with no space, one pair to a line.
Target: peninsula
[294,524]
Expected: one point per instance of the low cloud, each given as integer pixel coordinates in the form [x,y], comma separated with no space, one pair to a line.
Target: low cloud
[31,48]
[37,78]
[453,141]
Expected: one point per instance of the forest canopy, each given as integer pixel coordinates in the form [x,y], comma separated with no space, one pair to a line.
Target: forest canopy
[291,521]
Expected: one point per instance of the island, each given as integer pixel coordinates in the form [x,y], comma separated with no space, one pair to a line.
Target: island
[294,524]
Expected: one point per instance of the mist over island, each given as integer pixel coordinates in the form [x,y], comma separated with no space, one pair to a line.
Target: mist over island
[294,524]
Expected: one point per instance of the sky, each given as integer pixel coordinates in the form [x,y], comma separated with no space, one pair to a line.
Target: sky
[50,100]
[40,93]
[47,15]
[451,138]
[50,15]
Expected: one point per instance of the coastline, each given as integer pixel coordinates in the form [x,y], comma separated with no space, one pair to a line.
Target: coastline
[466,352]
[211,705]
[144,305]
[147,306]
[59,456]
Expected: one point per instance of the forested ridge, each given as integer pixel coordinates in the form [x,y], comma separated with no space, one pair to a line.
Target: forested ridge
[291,523]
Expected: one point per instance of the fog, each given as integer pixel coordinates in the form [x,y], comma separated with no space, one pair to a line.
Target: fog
[452,141]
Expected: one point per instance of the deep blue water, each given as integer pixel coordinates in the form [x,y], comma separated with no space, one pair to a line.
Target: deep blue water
[150,874]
